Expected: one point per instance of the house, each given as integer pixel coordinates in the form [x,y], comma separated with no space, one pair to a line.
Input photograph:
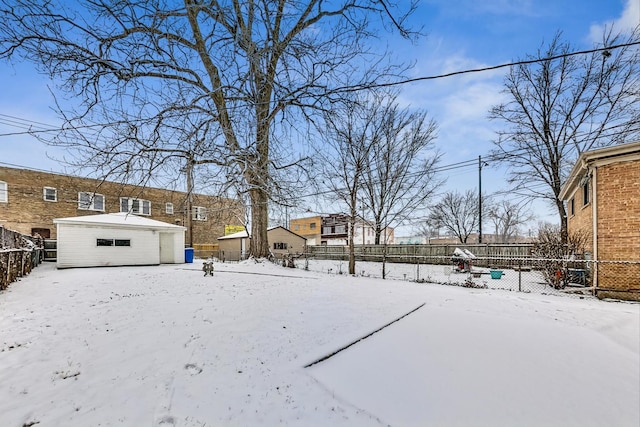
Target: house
[602,194]
[309,227]
[234,247]
[333,229]
[117,239]
[30,200]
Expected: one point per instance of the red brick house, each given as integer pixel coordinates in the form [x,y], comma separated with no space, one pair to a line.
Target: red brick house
[602,194]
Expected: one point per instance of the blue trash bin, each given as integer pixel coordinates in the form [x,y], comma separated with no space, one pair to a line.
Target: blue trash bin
[188,255]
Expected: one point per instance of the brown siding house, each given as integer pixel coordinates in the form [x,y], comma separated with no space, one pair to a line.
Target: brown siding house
[234,247]
[30,200]
[603,200]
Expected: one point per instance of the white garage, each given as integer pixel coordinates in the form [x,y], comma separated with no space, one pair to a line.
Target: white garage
[117,239]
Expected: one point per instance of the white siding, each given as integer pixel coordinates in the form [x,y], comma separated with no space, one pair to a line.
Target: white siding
[172,248]
[77,246]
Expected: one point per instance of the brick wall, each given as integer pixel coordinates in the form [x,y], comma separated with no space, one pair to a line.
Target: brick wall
[619,228]
[27,210]
[619,211]
[581,221]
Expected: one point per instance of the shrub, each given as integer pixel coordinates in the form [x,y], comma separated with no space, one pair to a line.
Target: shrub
[555,255]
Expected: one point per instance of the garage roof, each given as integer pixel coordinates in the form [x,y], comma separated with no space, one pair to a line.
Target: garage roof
[120,219]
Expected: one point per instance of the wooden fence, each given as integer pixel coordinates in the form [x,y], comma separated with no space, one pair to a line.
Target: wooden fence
[206,250]
[18,256]
[435,254]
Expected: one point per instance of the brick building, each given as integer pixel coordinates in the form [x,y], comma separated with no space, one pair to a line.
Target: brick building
[333,229]
[602,194]
[30,200]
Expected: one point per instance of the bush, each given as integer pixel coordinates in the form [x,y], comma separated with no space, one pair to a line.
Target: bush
[555,255]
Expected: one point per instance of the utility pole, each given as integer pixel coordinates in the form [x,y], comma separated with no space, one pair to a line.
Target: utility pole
[479,199]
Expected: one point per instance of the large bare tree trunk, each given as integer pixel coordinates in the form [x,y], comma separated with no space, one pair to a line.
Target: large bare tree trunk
[259,245]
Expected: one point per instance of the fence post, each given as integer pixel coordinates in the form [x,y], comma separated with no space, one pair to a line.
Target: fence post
[519,275]
[9,256]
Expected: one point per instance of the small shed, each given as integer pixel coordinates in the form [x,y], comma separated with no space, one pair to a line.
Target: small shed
[117,239]
[234,247]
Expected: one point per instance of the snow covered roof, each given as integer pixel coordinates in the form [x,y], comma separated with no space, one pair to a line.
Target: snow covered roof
[120,219]
[238,235]
[286,229]
[243,234]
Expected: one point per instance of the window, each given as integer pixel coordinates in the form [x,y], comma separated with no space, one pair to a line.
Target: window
[135,206]
[50,194]
[104,242]
[280,245]
[198,213]
[572,209]
[113,242]
[296,227]
[312,225]
[4,192]
[168,208]
[585,193]
[90,202]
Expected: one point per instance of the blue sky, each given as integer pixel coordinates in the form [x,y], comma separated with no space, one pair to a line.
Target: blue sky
[460,34]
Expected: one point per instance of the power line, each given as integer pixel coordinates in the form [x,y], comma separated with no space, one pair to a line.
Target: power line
[51,128]
[483,69]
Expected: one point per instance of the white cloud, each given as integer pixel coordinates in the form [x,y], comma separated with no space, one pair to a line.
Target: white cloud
[628,20]
[460,104]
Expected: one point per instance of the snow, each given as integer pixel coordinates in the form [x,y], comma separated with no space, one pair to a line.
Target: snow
[118,219]
[166,346]
[238,235]
[512,280]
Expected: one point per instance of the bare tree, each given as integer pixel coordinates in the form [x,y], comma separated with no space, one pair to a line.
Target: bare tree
[428,229]
[350,134]
[221,83]
[507,217]
[560,107]
[457,213]
[400,175]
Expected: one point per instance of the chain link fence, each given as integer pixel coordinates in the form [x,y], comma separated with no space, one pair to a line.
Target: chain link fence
[604,279]
[617,279]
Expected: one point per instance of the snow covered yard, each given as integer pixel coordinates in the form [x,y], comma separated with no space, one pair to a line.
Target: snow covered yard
[166,346]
